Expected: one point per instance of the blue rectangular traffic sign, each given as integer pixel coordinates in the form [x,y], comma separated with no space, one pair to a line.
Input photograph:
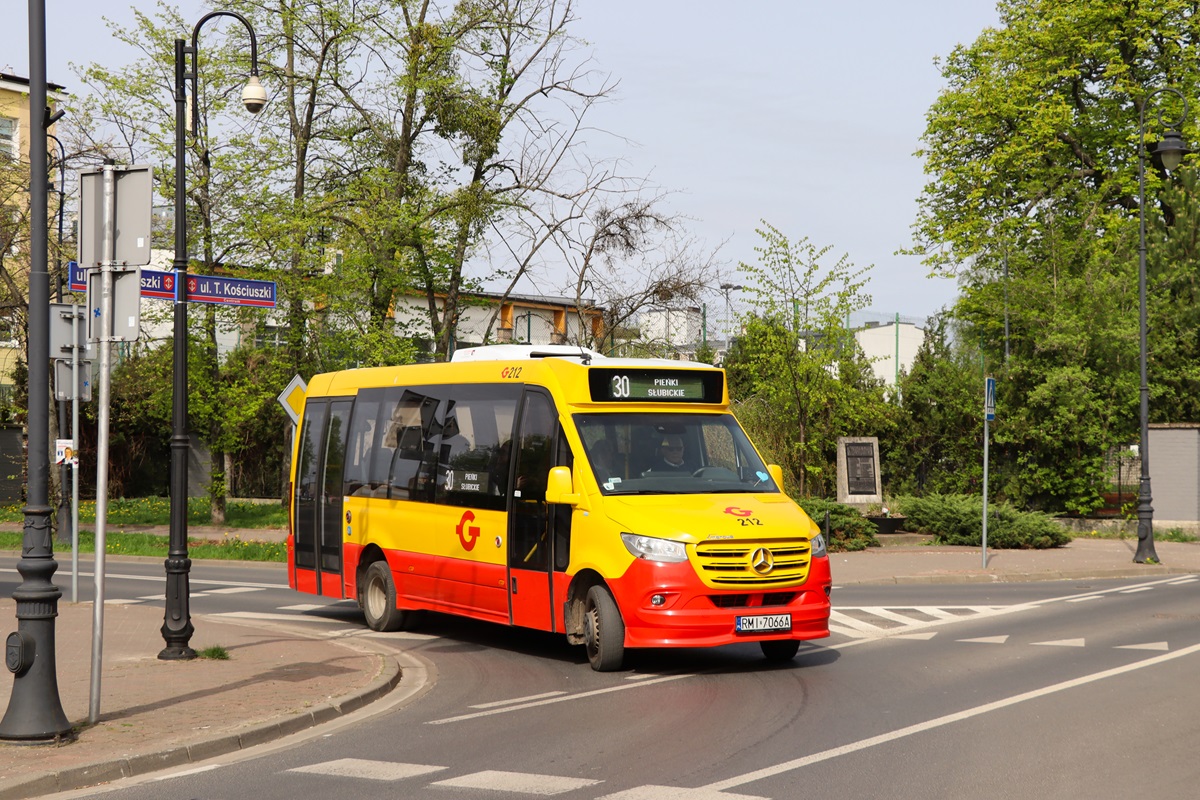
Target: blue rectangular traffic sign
[989,399]
[200,288]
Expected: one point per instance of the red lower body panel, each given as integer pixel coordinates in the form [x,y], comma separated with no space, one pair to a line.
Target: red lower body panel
[694,615]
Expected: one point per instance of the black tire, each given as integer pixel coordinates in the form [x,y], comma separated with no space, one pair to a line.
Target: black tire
[379,599]
[603,631]
[780,650]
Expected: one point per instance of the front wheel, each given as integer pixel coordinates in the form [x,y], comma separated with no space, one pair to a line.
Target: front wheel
[780,650]
[604,631]
[379,599]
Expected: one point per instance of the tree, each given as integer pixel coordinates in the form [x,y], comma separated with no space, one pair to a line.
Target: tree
[1032,150]
[937,446]
[797,374]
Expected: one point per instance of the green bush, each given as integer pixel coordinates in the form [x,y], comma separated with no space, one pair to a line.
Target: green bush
[958,519]
[849,530]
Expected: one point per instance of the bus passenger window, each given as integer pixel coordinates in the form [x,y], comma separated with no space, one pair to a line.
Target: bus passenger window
[472,472]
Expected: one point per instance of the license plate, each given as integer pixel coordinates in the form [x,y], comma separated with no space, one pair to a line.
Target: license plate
[764,623]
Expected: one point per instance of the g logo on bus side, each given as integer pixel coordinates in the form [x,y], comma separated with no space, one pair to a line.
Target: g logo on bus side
[468,535]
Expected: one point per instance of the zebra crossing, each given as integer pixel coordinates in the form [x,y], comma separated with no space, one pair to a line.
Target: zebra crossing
[510,783]
[874,622]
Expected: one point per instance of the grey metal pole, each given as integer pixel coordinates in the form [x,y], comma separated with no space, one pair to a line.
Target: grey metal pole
[75,458]
[104,343]
[35,712]
[985,488]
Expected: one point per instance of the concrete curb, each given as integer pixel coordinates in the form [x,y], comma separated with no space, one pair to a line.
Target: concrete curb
[142,764]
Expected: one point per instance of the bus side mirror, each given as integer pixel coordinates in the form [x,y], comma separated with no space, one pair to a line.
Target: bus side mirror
[776,473]
[559,488]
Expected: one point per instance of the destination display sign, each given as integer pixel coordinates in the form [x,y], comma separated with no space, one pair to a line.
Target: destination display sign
[615,385]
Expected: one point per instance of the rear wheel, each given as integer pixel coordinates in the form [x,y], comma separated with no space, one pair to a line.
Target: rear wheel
[780,650]
[379,599]
[603,631]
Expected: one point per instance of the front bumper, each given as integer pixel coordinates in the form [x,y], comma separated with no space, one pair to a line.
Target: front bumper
[694,615]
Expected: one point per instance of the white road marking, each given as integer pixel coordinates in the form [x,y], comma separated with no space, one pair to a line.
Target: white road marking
[923,637]
[675,793]
[370,770]
[499,703]
[851,632]
[935,611]
[257,615]
[1085,598]
[1136,589]
[563,699]
[948,719]
[186,772]
[525,783]
[1062,643]
[887,613]
[234,590]
[303,607]
[1146,646]
[987,640]
[845,621]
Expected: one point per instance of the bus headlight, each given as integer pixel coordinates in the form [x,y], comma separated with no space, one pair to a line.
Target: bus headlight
[652,549]
[818,546]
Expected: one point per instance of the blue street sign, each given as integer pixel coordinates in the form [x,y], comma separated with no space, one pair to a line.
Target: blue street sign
[200,289]
[989,399]
[232,291]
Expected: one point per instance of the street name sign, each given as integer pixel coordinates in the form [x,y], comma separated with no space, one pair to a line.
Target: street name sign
[160,285]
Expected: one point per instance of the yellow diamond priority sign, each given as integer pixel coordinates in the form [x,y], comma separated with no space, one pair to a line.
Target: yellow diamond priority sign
[292,398]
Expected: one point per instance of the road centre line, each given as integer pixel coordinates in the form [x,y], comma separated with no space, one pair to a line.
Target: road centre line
[948,719]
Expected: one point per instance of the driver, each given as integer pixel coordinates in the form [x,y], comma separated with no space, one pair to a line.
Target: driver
[670,455]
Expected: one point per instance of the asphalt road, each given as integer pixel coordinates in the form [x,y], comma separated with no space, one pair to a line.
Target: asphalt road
[1068,689]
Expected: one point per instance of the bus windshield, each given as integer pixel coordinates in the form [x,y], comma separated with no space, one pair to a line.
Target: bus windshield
[664,453]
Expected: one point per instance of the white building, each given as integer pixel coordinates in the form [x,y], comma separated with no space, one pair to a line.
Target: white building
[490,318]
[677,327]
[890,346]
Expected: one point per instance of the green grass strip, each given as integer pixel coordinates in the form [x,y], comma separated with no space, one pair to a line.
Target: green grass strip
[228,547]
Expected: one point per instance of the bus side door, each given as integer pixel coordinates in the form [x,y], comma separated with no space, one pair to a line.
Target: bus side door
[318,513]
[529,522]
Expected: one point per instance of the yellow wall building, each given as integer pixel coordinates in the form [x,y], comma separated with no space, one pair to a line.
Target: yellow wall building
[15,133]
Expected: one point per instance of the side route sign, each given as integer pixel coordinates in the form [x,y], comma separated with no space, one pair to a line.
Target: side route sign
[160,285]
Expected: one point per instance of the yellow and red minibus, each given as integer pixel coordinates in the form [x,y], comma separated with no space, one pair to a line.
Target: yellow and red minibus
[616,501]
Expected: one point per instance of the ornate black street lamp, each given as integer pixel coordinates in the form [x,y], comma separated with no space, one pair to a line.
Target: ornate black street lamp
[177,624]
[1170,152]
[35,713]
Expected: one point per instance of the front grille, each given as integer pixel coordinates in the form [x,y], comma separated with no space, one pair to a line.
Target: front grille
[728,563]
[752,600]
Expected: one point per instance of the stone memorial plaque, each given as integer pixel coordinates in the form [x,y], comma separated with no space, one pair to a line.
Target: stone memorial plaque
[860,468]
[858,471]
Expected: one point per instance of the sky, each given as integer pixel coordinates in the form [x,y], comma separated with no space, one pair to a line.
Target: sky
[801,113]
